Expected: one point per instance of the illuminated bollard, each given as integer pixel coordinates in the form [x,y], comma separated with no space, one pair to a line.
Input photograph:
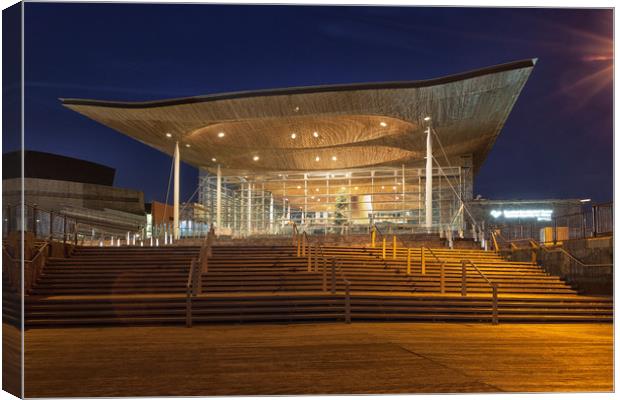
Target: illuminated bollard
[310,259]
[423,261]
[373,237]
[151,241]
[157,242]
[393,247]
[408,261]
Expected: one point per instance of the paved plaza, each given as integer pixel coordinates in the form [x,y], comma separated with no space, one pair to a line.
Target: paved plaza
[319,359]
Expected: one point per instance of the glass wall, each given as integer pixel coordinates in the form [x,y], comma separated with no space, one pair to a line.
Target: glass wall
[335,201]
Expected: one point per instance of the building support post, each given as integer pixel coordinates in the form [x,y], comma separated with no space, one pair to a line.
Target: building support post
[177,173]
[271,215]
[429,180]
[249,208]
[218,200]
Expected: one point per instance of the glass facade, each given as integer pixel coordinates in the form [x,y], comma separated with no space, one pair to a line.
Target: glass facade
[335,201]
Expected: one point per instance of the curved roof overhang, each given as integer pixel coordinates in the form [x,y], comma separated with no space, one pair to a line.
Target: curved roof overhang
[357,125]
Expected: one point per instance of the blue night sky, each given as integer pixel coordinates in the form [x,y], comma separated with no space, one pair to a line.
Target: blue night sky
[557,143]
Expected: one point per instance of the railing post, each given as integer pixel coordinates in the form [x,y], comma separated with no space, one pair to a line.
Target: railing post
[373,237]
[347,303]
[34,220]
[333,288]
[408,261]
[64,230]
[384,247]
[324,275]
[393,247]
[494,316]
[298,247]
[463,278]
[442,278]
[423,261]
[309,256]
[316,260]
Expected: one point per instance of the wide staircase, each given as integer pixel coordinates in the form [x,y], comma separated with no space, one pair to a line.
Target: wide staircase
[103,286]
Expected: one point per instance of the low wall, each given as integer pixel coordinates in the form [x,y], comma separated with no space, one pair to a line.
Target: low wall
[594,278]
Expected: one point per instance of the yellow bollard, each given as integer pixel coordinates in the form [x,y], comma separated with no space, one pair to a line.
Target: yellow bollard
[394,247]
[408,261]
[384,246]
[423,261]
[373,237]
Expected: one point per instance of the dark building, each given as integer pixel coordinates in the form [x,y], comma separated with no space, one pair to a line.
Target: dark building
[77,188]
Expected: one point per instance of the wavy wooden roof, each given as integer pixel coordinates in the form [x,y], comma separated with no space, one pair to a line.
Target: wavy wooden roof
[358,125]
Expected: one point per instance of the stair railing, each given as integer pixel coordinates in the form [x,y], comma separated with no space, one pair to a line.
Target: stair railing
[493,285]
[495,245]
[198,266]
[442,267]
[32,268]
[295,234]
[336,269]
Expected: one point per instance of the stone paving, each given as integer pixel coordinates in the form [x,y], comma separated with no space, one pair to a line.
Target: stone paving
[319,359]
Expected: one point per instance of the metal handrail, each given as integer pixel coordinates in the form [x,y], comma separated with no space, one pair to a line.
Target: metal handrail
[442,266]
[198,266]
[336,266]
[36,270]
[493,285]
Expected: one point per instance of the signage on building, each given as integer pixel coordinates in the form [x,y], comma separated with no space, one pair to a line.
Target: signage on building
[540,215]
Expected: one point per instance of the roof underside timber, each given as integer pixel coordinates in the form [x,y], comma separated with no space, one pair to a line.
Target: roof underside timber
[358,125]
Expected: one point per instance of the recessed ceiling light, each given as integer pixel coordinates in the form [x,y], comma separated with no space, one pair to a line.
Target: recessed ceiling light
[394,187]
[334,158]
[298,187]
[168,134]
[293,135]
[213,159]
[427,118]
[296,108]
[382,187]
[312,197]
[318,199]
[315,134]
[221,134]
[317,158]
[316,190]
[383,124]
[343,188]
[256,158]
[396,197]
[188,145]
[355,188]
